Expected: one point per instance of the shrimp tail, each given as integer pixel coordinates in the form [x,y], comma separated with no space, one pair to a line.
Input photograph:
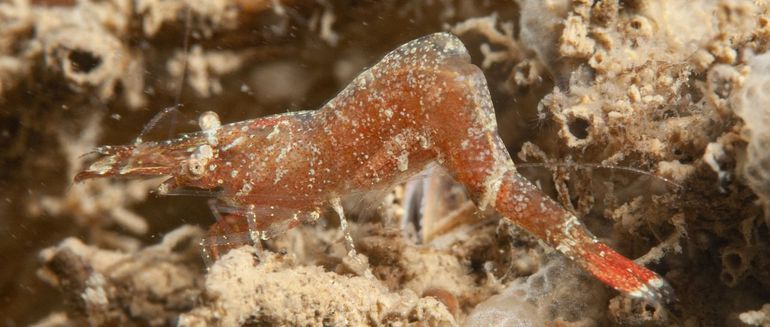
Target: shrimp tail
[519,201]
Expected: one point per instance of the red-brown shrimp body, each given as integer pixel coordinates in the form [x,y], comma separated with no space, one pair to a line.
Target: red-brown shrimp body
[424,102]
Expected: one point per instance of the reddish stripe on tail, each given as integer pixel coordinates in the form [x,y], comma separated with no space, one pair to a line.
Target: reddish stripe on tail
[623,274]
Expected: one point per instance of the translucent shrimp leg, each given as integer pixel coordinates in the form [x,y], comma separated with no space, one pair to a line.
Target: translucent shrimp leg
[336,204]
[242,226]
[225,234]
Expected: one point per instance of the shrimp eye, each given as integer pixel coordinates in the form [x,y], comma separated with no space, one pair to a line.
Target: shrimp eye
[196,167]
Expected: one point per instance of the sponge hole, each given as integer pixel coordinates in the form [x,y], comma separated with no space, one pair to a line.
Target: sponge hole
[83,61]
[734,261]
[578,127]
[728,278]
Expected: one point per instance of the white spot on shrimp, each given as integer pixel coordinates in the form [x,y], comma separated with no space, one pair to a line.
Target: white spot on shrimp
[233,143]
[565,247]
[278,175]
[492,184]
[656,282]
[636,294]
[245,189]
[103,166]
[569,224]
[424,142]
[281,155]
[203,152]
[403,161]
[276,130]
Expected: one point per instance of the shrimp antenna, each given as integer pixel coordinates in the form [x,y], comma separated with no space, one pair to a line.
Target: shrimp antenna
[174,110]
[666,180]
[155,120]
[186,45]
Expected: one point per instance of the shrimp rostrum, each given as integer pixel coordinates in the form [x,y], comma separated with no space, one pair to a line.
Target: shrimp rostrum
[422,103]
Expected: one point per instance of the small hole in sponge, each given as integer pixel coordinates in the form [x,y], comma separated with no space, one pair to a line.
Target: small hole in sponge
[650,309]
[578,127]
[84,61]
[728,278]
[733,260]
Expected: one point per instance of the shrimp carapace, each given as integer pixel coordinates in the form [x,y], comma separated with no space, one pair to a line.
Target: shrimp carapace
[422,103]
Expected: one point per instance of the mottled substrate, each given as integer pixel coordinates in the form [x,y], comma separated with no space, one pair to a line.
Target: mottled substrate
[104,287]
[676,88]
[308,281]
[672,88]
[246,287]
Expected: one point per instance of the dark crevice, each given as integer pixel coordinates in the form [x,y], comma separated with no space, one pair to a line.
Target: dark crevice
[84,61]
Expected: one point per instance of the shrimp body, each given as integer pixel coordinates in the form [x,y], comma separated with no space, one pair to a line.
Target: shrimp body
[422,103]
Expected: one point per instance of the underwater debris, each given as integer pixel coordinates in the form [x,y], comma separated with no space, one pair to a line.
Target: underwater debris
[106,287]
[759,317]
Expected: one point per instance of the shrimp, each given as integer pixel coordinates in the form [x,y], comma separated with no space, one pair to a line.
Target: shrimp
[422,103]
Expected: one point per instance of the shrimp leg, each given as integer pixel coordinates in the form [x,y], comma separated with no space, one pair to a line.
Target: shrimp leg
[227,233]
[250,225]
